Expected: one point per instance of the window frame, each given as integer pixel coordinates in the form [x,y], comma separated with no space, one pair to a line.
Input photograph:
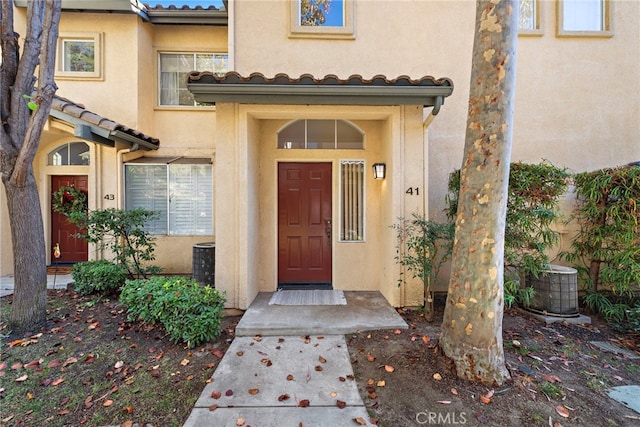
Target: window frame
[304,139]
[166,216]
[96,39]
[347,31]
[607,28]
[159,54]
[341,205]
[536,31]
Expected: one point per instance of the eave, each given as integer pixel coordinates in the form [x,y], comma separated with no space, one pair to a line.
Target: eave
[101,130]
[330,90]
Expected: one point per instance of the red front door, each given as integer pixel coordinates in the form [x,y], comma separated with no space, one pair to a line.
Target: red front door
[304,224]
[72,248]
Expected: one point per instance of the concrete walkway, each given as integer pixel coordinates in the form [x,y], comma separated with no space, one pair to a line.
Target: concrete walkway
[54,281]
[290,366]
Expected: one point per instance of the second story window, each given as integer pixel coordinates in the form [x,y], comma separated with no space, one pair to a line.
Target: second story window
[79,56]
[174,68]
[584,18]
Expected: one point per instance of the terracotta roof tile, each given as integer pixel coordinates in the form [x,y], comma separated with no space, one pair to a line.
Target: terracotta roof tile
[233,77]
[150,6]
[80,112]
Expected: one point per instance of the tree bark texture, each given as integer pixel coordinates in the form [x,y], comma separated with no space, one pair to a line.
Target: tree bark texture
[472,324]
[20,135]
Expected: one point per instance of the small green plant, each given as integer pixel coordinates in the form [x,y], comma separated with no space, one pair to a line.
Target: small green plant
[553,390]
[423,247]
[98,277]
[190,313]
[121,232]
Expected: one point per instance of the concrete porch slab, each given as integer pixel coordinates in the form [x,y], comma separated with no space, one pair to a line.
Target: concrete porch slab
[365,310]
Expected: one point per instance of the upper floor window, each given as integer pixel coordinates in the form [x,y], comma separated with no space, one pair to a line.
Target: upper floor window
[174,68]
[321,134]
[79,56]
[529,19]
[584,18]
[70,154]
[322,18]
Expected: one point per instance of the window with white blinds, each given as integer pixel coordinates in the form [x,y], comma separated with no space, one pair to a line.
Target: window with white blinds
[352,200]
[180,194]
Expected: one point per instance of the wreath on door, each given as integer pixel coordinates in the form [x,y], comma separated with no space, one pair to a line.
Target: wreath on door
[67,200]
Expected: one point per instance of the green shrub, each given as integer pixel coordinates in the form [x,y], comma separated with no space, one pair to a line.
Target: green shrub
[98,277]
[123,233]
[423,247]
[190,313]
[606,250]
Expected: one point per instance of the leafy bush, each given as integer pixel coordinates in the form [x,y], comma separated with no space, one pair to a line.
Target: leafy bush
[122,232]
[606,250]
[189,312]
[423,247]
[532,207]
[98,277]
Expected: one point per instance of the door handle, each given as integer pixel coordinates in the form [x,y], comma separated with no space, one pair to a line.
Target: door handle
[328,231]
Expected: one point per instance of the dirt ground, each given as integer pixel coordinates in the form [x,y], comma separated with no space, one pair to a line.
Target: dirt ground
[90,366]
[558,378]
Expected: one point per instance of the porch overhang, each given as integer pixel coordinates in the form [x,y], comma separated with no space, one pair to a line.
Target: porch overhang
[256,89]
[95,128]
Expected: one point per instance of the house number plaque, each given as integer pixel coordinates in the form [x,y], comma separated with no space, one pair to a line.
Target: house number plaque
[413,191]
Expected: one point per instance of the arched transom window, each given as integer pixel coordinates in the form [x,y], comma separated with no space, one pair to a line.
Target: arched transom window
[321,134]
[69,154]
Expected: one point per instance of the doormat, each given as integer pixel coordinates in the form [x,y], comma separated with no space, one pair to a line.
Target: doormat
[308,297]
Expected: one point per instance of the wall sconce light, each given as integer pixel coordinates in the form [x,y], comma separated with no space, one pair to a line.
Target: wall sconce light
[379,170]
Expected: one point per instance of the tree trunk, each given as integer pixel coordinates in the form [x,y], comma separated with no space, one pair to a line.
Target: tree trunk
[20,132]
[28,311]
[472,324]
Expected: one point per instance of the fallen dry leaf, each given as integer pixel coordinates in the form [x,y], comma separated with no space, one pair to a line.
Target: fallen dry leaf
[437,376]
[216,394]
[444,402]
[304,403]
[119,364]
[108,402]
[381,383]
[425,339]
[551,378]
[360,421]
[184,362]
[228,393]
[322,359]
[333,394]
[213,407]
[397,332]
[128,409]
[371,357]
[283,397]
[340,404]
[389,368]
[33,364]
[562,411]
[22,378]
[254,391]
[289,377]
[240,422]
